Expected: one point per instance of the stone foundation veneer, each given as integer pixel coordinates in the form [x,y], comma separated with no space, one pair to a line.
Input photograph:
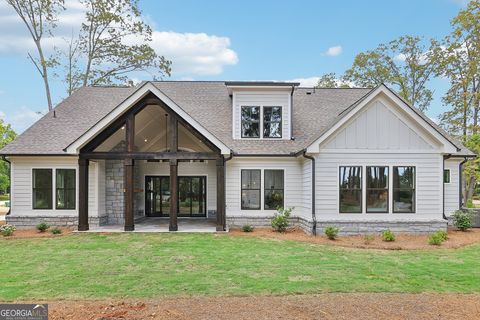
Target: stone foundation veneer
[347,227]
[56,221]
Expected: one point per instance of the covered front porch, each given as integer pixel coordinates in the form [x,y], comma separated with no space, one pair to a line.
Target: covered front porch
[153,172]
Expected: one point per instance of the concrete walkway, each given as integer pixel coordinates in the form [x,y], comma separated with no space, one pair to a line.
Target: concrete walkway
[161,225]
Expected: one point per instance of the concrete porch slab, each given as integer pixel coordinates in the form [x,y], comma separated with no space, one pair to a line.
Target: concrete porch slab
[150,225]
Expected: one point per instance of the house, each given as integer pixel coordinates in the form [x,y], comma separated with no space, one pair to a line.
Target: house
[360,159]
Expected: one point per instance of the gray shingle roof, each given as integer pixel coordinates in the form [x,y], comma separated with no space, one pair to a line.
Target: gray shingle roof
[207,102]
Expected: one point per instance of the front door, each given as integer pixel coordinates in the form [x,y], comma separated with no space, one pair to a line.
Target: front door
[191,196]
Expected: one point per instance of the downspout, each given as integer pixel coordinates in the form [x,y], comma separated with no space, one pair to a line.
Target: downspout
[10,180]
[291,114]
[314,218]
[443,185]
[460,180]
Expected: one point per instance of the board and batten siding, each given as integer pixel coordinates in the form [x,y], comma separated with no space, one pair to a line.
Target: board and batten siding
[452,192]
[21,174]
[293,184]
[260,98]
[207,168]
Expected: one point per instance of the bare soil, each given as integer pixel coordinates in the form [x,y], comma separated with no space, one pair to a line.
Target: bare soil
[34,233]
[321,306]
[456,239]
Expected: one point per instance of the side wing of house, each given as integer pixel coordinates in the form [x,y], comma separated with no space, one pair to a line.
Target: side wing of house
[383,167]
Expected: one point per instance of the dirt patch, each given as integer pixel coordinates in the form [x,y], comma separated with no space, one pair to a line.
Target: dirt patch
[34,233]
[456,239]
[322,306]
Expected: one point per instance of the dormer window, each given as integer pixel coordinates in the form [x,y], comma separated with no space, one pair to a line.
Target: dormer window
[272,122]
[270,127]
[250,122]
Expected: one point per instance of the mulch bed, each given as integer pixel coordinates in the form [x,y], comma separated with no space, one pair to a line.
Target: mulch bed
[34,233]
[321,306]
[456,239]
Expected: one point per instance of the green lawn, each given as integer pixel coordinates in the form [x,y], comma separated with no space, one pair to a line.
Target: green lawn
[152,265]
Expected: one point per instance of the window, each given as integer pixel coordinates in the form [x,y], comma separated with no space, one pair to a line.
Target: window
[350,189]
[377,189]
[403,189]
[273,185]
[250,122]
[272,122]
[42,188]
[251,189]
[446,176]
[65,189]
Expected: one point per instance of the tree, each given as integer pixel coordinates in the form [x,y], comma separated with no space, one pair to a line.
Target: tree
[459,61]
[6,136]
[39,16]
[405,64]
[330,80]
[112,43]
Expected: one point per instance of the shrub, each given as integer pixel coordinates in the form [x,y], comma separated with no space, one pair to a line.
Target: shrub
[462,220]
[280,219]
[42,227]
[437,238]
[56,230]
[368,238]
[331,232]
[247,228]
[7,230]
[388,236]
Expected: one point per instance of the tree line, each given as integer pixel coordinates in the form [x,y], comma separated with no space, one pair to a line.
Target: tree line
[408,63]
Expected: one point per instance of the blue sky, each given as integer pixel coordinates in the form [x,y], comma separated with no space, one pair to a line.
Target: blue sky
[235,40]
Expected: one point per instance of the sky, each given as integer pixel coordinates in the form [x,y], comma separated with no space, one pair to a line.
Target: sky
[233,40]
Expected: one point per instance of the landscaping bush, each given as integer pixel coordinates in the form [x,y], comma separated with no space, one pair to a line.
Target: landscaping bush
[280,219]
[368,238]
[388,236]
[247,228]
[331,232]
[462,220]
[437,238]
[7,230]
[56,230]
[42,227]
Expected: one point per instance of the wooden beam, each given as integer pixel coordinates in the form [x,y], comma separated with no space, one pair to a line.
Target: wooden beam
[151,155]
[221,221]
[173,226]
[128,174]
[83,195]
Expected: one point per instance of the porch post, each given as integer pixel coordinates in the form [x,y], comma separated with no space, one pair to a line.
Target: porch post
[173,195]
[128,169]
[128,174]
[221,194]
[83,194]
[173,146]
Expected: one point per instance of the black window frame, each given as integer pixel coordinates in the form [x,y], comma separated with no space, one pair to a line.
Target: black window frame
[249,189]
[270,189]
[264,121]
[367,188]
[251,121]
[340,189]
[449,176]
[48,190]
[414,190]
[74,189]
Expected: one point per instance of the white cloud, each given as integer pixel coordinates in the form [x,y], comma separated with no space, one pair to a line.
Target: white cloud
[191,53]
[334,51]
[306,82]
[22,118]
[194,53]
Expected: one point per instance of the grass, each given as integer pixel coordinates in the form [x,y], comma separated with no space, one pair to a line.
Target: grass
[152,265]
[4,197]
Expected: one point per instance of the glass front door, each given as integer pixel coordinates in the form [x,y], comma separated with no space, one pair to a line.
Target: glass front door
[191,196]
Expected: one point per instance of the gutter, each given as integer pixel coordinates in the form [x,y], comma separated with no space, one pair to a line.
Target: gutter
[314,218]
[291,114]
[4,158]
